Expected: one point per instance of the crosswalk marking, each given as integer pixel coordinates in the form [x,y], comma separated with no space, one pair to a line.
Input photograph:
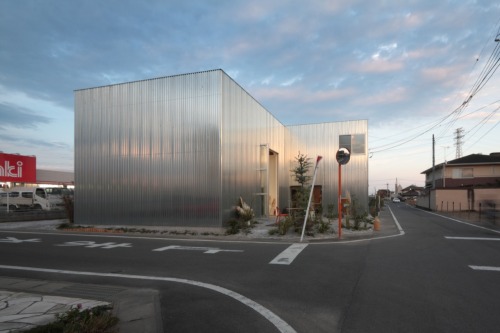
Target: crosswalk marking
[286,257]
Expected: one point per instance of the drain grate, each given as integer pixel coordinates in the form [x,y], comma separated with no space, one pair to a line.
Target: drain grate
[90,291]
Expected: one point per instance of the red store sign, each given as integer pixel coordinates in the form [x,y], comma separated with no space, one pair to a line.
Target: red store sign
[17,168]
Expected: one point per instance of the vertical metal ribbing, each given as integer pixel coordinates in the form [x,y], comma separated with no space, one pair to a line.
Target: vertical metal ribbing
[180,150]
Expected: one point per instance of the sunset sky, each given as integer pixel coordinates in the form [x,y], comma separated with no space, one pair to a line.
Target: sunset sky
[411,68]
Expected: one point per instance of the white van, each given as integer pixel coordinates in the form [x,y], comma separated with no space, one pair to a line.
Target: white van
[28,198]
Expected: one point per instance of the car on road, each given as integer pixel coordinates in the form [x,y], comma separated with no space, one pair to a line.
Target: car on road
[396,200]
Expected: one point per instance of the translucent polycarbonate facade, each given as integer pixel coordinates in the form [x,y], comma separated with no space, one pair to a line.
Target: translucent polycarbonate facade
[181,151]
[323,140]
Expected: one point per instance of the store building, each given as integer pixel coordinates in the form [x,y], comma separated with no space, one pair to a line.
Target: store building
[181,150]
[21,170]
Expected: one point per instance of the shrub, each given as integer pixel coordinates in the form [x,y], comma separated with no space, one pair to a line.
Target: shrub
[95,320]
[285,224]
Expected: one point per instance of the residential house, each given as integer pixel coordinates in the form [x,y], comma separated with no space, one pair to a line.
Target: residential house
[463,184]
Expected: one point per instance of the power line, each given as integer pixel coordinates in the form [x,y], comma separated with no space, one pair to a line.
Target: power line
[486,74]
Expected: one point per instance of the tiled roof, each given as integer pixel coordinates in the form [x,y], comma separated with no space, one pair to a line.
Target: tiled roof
[493,158]
[477,159]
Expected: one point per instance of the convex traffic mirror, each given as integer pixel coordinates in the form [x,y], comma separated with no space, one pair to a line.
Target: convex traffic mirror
[343,155]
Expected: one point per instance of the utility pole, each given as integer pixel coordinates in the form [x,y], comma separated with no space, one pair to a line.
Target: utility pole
[433,162]
[444,166]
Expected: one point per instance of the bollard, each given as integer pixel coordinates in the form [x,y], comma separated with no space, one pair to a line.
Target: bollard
[376,224]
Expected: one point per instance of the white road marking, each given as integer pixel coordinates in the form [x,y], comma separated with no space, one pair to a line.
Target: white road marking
[485,268]
[279,323]
[90,244]
[286,257]
[208,250]
[401,231]
[463,222]
[473,238]
[16,241]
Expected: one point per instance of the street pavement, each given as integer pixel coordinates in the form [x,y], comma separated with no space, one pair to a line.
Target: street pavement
[25,303]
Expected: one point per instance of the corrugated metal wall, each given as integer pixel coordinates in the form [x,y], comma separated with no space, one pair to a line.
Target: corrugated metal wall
[323,139]
[148,152]
[181,150]
[247,129]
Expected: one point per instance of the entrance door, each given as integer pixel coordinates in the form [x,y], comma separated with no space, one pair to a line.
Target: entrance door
[273,182]
[268,180]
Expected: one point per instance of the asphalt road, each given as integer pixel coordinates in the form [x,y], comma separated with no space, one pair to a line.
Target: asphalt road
[420,281]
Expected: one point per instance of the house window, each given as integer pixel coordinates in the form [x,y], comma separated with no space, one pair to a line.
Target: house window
[356,143]
[463,173]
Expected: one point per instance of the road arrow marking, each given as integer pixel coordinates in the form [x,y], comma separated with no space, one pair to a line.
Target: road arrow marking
[286,257]
[91,244]
[485,268]
[207,250]
[14,240]
[473,238]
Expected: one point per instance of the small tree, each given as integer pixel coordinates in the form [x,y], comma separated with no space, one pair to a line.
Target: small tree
[302,169]
[301,196]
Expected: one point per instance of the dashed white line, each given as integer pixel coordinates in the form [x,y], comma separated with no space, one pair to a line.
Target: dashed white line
[473,238]
[286,257]
[279,323]
[485,268]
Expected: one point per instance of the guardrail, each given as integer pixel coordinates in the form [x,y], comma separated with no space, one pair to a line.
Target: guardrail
[31,215]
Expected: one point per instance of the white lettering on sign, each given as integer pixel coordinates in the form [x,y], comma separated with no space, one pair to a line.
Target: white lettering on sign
[207,250]
[16,241]
[91,244]
[11,171]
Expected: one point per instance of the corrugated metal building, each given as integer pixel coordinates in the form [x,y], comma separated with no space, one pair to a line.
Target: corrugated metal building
[181,150]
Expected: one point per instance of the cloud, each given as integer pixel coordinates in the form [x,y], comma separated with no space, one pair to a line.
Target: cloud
[16,116]
[441,74]
[291,81]
[393,96]
[31,142]
[301,94]
[377,66]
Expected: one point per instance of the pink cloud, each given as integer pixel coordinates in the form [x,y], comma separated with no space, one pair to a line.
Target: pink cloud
[387,97]
[290,94]
[378,66]
[441,74]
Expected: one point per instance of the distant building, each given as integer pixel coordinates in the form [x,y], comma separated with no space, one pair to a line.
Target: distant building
[181,150]
[463,183]
[384,194]
[412,191]
[21,170]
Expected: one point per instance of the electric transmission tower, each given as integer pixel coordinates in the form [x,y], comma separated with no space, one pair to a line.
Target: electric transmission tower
[459,134]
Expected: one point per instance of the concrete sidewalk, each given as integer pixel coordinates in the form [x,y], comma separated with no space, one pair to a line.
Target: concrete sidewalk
[25,303]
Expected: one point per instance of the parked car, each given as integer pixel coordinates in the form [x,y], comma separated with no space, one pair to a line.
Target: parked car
[396,200]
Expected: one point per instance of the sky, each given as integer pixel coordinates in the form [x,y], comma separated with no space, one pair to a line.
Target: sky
[413,69]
